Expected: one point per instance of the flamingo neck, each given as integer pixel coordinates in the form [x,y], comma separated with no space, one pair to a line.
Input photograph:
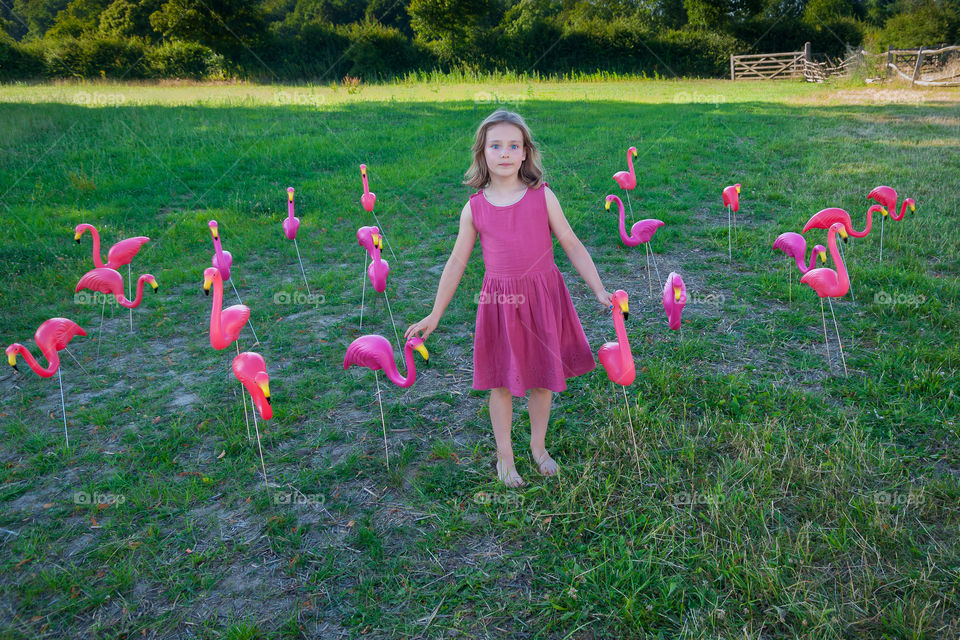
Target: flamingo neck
[53,360]
[903,210]
[366,187]
[290,209]
[630,164]
[130,304]
[866,230]
[843,280]
[813,262]
[216,331]
[97,260]
[623,225]
[622,343]
[394,374]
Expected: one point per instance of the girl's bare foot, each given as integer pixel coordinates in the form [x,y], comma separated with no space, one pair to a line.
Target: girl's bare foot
[546,465]
[507,472]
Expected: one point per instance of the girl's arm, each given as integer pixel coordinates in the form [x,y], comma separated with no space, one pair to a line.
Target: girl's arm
[452,272]
[574,249]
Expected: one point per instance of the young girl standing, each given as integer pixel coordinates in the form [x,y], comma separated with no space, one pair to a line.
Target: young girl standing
[528,335]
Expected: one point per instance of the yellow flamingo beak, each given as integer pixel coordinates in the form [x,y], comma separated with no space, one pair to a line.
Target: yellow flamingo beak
[883,211]
[76,237]
[12,359]
[738,188]
[422,350]
[377,240]
[913,207]
[634,153]
[843,234]
[363,172]
[289,197]
[676,294]
[265,387]
[607,205]
[213,230]
[206,285]
[153,283]
[823,256]
[625,308]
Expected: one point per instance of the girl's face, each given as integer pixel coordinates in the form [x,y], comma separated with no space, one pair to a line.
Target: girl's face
[504,151]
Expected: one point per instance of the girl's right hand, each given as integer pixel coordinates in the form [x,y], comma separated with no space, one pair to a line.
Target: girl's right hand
[427,325]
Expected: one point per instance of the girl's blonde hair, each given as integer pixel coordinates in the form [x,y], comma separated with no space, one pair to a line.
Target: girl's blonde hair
[531,171]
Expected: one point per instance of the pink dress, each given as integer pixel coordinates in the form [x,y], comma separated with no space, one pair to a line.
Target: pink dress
[528,333]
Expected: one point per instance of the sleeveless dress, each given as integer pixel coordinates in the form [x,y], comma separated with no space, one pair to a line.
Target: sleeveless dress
[528,333]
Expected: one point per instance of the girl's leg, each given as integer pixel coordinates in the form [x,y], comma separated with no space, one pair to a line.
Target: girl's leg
[501,415]
[538,404]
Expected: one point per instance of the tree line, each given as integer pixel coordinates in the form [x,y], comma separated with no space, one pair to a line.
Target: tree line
[329,40]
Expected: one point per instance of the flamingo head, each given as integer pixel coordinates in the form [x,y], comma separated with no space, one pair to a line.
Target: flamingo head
[363,171]
[289,194]
[213,229]
[417,344]
[152,282]
[209,275]
[837,227]
[78,231]
[620,298]
[821,251]
[611,199]
[632,151]
[377,240]
[910,203]
[737,187]
[11,352]
[262,380]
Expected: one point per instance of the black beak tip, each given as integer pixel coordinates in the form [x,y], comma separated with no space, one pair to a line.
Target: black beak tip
[15,368]
[78,240]
[268,401]
[206,292]
[626,315]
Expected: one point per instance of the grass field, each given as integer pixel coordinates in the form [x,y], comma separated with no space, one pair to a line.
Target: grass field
[772,497]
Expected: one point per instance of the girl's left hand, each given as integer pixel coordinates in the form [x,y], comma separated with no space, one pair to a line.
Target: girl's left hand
[605,298]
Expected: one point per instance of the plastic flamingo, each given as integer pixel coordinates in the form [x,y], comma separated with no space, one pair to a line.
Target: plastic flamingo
[290,227]
[225,324]
[795,246]
[887,196]
[830,284]
[375,352]
[367,199]
[122,253]
[627,180]
[674,297]
[222,260]
[251,371]
[641,232]
[106,280]
[617,359]
[371,239]
[52,336]
[825,218]
[731,200]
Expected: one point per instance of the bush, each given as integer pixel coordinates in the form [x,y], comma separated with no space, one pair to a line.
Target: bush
[18,62]
[178,59]
[377,52]
[92,57]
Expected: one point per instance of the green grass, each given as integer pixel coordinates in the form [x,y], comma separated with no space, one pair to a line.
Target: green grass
[771,497]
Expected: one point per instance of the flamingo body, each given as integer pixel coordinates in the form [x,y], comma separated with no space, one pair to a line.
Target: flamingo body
[627,179]
[292,223]
[674,298]
[52,336]
[225,324]
[825,281]
[375,352]
[251,370]
[371,239]
[616,357]
[731,197]
[795,246]
[222,260]
[118,255]
[367,200]
[641,231]
[107,280]
[887,196]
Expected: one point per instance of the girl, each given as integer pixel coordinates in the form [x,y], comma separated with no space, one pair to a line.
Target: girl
[528,335]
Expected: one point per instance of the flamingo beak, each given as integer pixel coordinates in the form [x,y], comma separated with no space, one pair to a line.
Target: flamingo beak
[153,283]
[883,211]
[738,189]
[265,387]
[76,237]
[625,308]
[290,196]
[676,294]
[605,206]
[843,234]
[823,256]
[376,240]
[913,207]
[12,359]
[363,172]
[634,153]
[206,285]
[422,350]
[213,231]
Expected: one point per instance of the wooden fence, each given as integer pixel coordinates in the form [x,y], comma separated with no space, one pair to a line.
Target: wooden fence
[769,66]
[926,67]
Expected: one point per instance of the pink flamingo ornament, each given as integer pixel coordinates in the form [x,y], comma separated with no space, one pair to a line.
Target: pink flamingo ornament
[371,239]
[291,225]
[674,298]
[109,281]
[641,232]
[731,200]
[367,200]
[627,180]
[225,324]
[887,196]
[825,218]
[375,352]
[52,337]
[795,246]
[250,369]
[223,260]
[617,359]
[830,284]
[122,253]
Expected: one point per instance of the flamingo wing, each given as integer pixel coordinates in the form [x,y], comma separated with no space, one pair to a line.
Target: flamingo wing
[791,243]
[124,251]
[58,332]
[823,280]
[885,195]
[731,198]
[625,180]
[643,230]
[825,218]
[371,351]
[102,279]
[232,320]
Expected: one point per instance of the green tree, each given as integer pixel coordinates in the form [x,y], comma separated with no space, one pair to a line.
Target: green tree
[229,27]
[129,18]
[39,15]
[709,15]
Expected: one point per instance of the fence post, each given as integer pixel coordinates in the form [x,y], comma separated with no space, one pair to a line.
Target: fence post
[916,68]
[807,59]
[732,73]
[886,69]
